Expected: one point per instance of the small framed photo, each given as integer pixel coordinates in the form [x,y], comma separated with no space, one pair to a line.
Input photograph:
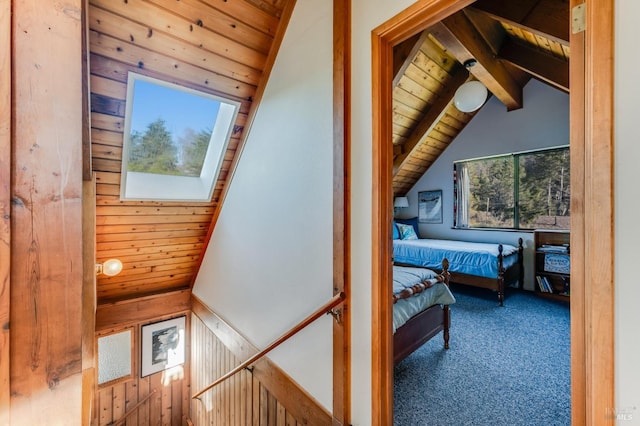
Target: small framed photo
[163,345]
[430,206]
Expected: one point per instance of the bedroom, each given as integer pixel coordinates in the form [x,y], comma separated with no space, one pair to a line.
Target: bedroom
[518,131]
[542,123]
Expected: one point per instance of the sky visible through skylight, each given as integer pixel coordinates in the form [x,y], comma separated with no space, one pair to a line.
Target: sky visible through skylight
[179,109]
[174,140]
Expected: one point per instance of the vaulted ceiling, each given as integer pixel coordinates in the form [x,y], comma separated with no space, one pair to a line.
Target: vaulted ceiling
[509,42]
[227,48]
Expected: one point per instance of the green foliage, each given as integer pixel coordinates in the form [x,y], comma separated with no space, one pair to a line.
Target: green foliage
[194,152]
[492,192]
[155,151]
[542,185]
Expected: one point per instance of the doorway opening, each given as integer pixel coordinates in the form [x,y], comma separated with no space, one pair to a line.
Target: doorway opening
[590,121]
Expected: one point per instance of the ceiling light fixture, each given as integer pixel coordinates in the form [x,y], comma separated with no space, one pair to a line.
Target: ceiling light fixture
[109,268]
[471,95]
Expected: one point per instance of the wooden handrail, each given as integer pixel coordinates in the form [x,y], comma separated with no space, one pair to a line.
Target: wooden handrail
[134,408]
[325,309]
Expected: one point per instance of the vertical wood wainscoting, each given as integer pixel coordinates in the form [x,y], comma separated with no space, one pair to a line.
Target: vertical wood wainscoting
[169,405]
[263,396]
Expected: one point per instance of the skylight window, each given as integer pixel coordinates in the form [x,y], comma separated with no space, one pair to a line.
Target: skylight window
[174,141]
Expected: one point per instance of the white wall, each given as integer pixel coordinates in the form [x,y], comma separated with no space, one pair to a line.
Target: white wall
[543,122]
[269,263]
[367,15]
[627,231]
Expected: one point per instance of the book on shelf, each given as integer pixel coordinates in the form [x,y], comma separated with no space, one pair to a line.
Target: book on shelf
[544,284]
[554,248]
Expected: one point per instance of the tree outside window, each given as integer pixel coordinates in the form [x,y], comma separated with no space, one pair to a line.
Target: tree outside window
[518,191]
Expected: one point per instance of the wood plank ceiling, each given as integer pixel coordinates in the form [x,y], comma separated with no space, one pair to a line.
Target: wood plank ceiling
[226,48]
[511,42]
[220,47]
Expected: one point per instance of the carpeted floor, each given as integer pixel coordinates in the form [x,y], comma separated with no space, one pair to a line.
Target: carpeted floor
[505,366]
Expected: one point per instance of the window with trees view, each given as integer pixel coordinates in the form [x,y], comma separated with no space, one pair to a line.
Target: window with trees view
[528,190]
[174,140]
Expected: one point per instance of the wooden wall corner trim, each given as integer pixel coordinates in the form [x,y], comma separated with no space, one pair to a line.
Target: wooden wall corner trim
[88,298]
[341,208]
[5,208]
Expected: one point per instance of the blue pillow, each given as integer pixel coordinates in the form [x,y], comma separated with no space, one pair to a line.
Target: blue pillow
[413,222]
[407,232]
[396,234]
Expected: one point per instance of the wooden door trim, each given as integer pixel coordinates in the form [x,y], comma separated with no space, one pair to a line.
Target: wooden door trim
[591,143]
[592,313]
[341,209]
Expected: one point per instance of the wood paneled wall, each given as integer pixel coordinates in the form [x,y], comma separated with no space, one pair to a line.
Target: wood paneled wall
[263,396]
[218,47]
[169,405]
[46,212]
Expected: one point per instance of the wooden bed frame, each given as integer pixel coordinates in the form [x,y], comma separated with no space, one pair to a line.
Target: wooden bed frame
[505,276]
[515,273]
[423,326]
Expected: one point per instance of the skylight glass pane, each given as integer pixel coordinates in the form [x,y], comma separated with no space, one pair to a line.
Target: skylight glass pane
[174,141]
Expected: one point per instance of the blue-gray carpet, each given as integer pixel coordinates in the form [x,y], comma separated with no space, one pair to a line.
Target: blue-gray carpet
[506,365]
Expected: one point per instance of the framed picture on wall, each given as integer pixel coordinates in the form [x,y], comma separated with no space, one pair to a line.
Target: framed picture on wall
[430,206]
[163,345]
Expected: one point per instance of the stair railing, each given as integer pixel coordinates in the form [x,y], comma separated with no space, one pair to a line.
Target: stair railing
[327,308]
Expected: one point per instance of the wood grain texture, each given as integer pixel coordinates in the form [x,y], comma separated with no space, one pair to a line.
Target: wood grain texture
[141,401]
[88,300]
[219,47]
[341,209]
[596,192]
[46,248]
[5,208]
[120,313]
[578,232]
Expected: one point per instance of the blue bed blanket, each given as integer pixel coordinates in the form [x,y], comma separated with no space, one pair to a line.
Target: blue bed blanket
[479,259]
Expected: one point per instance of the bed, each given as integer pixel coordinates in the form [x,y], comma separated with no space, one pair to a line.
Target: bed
[484,265]
[421,300]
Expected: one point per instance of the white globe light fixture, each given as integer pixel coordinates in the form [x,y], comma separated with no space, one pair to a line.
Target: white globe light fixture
[109,268]
[470,96]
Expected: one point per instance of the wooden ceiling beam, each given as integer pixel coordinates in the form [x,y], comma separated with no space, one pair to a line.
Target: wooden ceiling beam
[458,35]
[430,120]
[491,30]
[546,67]
[547,18]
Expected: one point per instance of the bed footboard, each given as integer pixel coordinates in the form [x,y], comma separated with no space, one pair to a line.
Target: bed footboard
[505,276]
[423,326]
